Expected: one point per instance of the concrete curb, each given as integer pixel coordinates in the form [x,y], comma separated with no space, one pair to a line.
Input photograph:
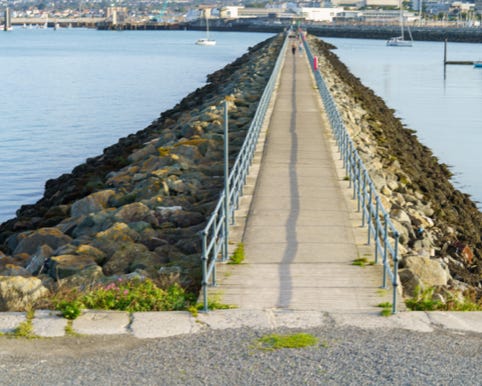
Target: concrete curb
[145,325]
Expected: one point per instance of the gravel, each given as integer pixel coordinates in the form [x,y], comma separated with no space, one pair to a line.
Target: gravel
[343,356]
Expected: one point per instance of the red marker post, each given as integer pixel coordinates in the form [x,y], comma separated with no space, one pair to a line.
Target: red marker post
[315,63]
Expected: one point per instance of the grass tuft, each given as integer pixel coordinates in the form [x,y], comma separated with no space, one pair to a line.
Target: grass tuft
[238,255]
[387,308]
[362,262]
[386,312]
[276,342]
[215,304]
[69,329]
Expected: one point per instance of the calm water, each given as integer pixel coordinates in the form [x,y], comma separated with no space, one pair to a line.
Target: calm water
[446,113]
[67,94]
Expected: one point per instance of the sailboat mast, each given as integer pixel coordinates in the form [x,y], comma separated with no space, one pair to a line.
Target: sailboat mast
[401,19]
[207,27]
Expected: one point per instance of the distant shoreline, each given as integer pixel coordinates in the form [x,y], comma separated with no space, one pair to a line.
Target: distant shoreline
[381,32]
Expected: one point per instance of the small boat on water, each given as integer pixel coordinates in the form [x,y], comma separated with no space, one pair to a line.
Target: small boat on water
[399,41]
[206,41]
[478,64]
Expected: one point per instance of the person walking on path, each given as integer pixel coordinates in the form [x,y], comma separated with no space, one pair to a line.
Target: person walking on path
[293,48]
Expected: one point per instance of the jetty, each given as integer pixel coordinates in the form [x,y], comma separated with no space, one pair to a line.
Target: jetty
[455,62]
[301,236]
[323,230]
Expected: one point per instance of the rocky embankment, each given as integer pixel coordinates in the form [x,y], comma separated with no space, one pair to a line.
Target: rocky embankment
[440,227]
[136,210]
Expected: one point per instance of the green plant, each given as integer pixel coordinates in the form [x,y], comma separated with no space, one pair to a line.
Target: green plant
[362,262]
[137,295]
[238,255]
[385,305]
[69,329]
[124,295]
[382,291]
[423,300]
[24,330]
[69,309]
[215,304]
[386,312]
[194,311]
[387,308]
[275,341]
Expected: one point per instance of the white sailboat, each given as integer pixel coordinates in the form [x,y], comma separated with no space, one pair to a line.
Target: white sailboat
[206,41]
[399,41]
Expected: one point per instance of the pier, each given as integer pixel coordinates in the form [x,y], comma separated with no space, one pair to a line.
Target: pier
[455,62]
[298,223]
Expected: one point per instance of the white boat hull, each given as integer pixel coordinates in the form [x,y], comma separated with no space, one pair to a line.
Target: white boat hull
[206,42]
[399,42]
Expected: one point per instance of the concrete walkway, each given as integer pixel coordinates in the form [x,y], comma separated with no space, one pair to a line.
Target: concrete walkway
[300,236]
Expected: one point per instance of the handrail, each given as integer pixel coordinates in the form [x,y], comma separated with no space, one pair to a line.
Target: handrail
[374,215]
[215,233]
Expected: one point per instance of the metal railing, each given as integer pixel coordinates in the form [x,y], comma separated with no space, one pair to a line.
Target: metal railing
[216,233]
[374,215]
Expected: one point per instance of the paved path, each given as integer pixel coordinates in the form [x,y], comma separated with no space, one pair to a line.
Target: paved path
[299,237]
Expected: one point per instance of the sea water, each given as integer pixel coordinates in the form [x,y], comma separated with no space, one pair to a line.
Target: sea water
[67,94]
[443,105]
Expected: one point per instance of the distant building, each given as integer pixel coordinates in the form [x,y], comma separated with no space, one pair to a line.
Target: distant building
[319,14]
[229,12]
[117,15]
[382,3]
[366,3]
[435,7]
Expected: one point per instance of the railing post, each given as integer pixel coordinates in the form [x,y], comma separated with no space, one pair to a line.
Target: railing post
[377,230]
[385,241]
[358,183]
[226,182]
[395,275]
[364,195]
[204,260]
[370,206]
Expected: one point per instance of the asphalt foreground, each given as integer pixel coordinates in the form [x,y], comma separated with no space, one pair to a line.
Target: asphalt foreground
[410,348]
[344,355]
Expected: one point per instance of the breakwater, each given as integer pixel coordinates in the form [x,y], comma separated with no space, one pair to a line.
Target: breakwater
[439,227]
[136,210]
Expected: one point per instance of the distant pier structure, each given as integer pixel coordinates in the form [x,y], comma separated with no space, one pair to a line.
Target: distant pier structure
[459,62]
[7,25]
